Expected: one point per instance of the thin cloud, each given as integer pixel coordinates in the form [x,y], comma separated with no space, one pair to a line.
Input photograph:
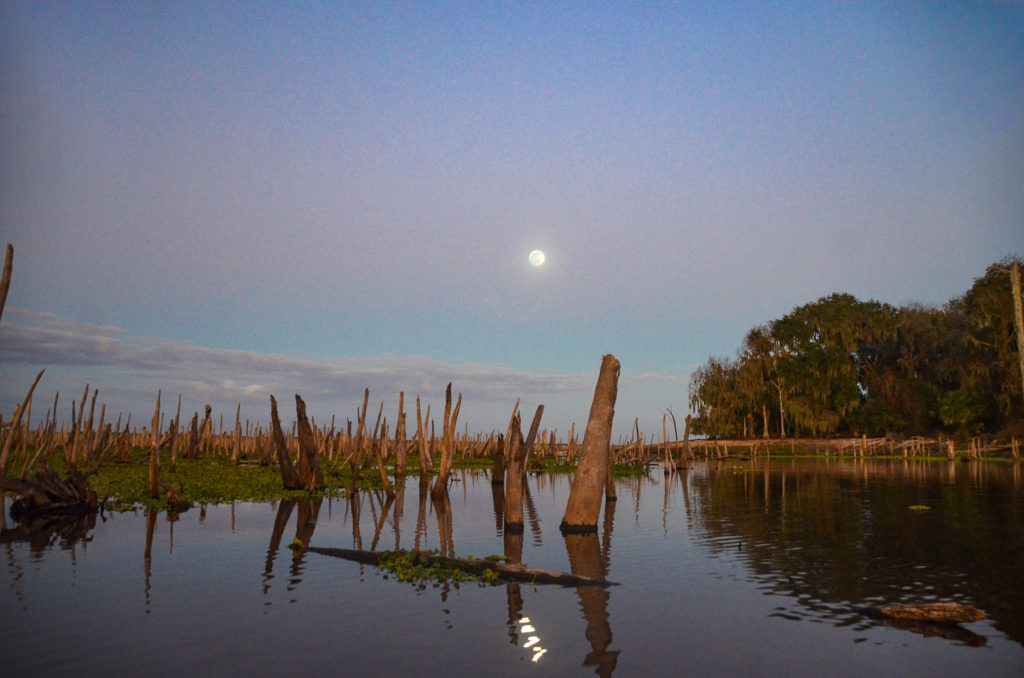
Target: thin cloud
[129,370]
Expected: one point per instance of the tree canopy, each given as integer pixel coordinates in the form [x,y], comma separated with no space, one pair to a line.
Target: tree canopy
[841,366]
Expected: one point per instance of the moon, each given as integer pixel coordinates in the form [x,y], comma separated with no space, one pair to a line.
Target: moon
[537,258]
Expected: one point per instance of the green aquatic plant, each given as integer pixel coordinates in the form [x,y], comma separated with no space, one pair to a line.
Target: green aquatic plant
[409,567]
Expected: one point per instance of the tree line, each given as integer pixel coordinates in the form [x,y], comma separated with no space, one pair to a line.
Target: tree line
[841,366]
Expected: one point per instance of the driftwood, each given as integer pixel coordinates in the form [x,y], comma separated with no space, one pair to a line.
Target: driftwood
[945,613]
[476,566]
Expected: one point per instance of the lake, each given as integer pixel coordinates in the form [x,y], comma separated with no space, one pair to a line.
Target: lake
[739,568]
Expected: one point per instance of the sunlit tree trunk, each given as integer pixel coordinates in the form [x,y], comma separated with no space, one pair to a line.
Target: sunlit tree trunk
[514,481]
[289,477]
[309,458]
[154,452]
[588,484]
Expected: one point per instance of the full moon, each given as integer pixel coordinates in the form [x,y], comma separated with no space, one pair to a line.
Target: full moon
[537,257]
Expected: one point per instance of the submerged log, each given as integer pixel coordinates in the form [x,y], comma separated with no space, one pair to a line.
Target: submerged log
[505,571]
[947,613]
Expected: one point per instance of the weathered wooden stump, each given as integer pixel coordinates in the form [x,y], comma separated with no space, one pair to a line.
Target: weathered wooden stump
[588,484]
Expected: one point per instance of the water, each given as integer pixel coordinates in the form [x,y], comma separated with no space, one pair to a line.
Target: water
[740,568]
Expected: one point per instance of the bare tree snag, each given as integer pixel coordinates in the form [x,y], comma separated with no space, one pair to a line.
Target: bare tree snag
[355,458]
[154,453]
[236,439]
[205,431]
[498,466]
[531,438]
[192,451]
[309,459]
[588,484]
[5,281]
[426,463]
[71,455]
[289,477]
[513,421]
[16,421]
[174,436]
[447,443]
[381,453]
[401,445]
[514,481]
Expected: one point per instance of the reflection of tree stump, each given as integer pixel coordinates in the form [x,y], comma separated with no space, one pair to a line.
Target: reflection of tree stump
[498,500]
[41,530]
[498,467]
[309,511]
[284,512]
[585,560]
[49,494]
[513,555]
[147,556]
[381,520]
[443,509]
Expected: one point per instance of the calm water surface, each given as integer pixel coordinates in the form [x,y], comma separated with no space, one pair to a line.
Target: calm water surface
[741,568]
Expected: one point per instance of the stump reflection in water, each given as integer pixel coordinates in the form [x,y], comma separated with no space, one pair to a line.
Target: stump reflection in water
[309,511]
[585,559]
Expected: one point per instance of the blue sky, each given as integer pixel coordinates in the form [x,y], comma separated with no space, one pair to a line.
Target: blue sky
[227,200]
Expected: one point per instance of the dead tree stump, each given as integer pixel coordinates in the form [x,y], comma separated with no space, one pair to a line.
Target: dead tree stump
[514,482]
[588,484]
[309,458]
[289,477]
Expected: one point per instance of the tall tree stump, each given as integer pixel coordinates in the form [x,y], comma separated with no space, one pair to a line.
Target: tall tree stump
[588,484]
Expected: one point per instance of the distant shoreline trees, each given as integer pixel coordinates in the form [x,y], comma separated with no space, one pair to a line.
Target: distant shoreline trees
[841,366]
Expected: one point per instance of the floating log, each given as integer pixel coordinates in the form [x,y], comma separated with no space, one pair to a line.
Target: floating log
[946,613]
[475,566]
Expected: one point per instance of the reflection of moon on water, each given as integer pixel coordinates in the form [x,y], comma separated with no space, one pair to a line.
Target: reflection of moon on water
[537,257]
